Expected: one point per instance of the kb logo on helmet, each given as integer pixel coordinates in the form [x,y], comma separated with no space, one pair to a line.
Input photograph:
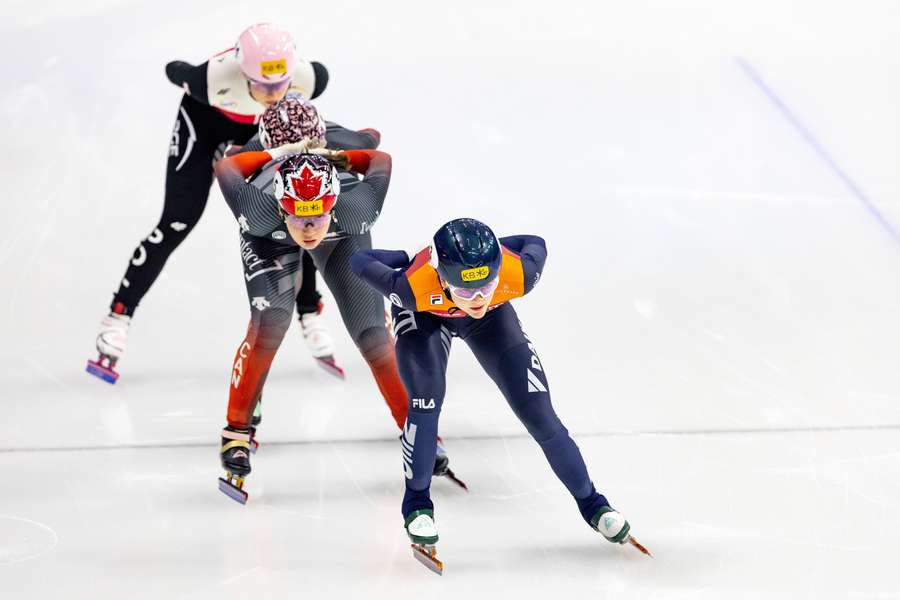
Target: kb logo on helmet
[273,67]
[306,185]
[308,209]
[476,274]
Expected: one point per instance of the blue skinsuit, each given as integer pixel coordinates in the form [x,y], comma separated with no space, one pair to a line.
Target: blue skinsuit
[502,349]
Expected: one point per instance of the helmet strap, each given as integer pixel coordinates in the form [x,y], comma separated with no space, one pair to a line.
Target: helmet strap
[445,288]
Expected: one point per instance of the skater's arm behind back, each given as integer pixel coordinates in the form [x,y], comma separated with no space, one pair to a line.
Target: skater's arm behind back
[358,209]
[385,270]
[191,78]
[256,211]
[532,250]
[341,138]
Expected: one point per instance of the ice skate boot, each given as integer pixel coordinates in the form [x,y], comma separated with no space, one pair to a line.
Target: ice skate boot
[111,343]
[319,342]
[235,455]
[423,534]
[615,528]
[442,466]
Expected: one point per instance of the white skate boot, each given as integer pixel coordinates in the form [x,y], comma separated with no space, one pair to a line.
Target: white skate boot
[319,342]
[615,528]
[111,342]
[423,534]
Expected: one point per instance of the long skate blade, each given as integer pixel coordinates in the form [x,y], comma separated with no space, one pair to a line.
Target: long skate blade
[232,491]
[452,477]
[427,558]
[638,545]
[329,364]
[107,374]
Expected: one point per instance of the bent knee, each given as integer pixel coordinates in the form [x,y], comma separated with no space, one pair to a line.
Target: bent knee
[374,342]
[271,324]
[547,432]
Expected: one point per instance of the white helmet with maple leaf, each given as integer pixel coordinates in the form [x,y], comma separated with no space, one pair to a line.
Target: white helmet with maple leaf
[306,185]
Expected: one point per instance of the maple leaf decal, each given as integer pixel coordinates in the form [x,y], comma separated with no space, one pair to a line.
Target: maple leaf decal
[307,184]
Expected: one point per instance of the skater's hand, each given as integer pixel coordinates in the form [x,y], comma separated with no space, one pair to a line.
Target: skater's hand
[289,149]
[326,152]
[337,157]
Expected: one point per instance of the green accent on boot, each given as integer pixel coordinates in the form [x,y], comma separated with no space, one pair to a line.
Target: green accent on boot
[418,539]
[619,537]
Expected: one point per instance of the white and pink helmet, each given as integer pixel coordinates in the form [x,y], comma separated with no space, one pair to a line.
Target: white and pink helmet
[266,54]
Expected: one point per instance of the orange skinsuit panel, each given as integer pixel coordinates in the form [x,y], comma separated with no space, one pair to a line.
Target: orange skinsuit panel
[430,297]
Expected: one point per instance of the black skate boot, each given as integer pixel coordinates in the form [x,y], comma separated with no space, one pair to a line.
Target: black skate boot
[442,466]
[235,455]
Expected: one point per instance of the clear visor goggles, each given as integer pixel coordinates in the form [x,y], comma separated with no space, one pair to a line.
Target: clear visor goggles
[484,291]
[269,88]
[315,222]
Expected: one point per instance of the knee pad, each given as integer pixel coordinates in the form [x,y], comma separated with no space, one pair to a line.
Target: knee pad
[271,325]
[375,344]
[554,439]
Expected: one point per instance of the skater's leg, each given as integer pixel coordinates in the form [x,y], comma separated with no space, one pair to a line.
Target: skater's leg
[270,273]
[312,326]
[197,133]
[308,297]
[423,348]
[510,359]
[362,310]
[377,348]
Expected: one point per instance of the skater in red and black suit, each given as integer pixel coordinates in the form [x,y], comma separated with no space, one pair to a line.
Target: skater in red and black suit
[288,201]
[223,100]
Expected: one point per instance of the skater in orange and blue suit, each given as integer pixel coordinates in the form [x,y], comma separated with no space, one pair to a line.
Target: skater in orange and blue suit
[461,287]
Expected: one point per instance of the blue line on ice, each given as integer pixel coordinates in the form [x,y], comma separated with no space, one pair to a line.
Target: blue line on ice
[817,146]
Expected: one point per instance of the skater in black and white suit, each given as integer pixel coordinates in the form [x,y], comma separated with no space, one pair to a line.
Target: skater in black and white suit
[223,100]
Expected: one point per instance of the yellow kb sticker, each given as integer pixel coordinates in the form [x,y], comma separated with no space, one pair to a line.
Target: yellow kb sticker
[476,274]
[308,209]
[273,67]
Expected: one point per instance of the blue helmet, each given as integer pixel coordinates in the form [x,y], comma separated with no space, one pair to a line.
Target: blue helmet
[466,253]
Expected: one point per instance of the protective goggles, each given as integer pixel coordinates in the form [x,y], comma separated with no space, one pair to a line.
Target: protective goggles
[484,291]
[303,222]
[269,88]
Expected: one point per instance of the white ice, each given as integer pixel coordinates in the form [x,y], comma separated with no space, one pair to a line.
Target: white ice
[718,315]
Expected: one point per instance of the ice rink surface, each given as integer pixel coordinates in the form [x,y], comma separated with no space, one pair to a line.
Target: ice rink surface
[718,186]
